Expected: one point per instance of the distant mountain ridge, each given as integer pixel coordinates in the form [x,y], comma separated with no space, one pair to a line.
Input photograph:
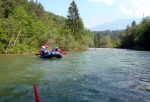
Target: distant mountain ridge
[120,24]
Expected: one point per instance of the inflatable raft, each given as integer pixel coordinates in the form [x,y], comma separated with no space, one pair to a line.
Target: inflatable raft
[52,54]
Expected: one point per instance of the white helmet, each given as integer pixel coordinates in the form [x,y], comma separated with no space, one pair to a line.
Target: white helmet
[43,47]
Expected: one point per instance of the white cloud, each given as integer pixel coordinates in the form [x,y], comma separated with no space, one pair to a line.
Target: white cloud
[125,10]
[121,9]
[134,8]
[104,1]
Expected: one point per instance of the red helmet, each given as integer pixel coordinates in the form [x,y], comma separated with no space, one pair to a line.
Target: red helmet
[46,46]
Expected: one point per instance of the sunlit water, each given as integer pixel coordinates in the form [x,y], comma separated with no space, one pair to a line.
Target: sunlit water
[95,75]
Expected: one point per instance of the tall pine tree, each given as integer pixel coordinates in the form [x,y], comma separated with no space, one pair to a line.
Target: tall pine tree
[74,22]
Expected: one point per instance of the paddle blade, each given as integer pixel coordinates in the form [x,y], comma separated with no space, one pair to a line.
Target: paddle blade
[36,54]
[36,94]
[63,52]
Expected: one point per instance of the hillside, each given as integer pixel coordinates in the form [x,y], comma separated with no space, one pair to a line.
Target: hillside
[115,25]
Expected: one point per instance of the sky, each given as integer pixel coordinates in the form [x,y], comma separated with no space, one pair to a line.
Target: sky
[96,12]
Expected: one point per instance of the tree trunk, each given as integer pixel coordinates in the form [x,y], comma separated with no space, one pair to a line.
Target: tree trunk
[8,46]
[17,37]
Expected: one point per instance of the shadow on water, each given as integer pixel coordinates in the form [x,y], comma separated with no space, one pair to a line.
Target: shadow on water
[95,75]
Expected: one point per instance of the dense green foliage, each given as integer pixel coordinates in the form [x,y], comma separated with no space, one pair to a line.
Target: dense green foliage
[74,35]
[137,36]
[25,26]
[133,37]
[107,39]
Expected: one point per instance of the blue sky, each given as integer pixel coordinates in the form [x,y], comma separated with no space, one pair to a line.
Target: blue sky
[95,12]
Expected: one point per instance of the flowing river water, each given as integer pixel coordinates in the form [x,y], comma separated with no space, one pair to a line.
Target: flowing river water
[95,75]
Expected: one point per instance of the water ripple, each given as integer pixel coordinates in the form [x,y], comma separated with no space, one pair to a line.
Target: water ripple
[95,75]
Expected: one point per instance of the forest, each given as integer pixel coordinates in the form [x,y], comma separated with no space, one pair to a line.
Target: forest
[25,26]
[135,36]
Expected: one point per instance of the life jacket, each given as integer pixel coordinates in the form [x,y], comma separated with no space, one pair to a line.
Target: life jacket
[42,51]
[56,49]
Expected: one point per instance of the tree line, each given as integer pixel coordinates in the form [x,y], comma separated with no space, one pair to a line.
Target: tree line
[135,36]
[107,39]
[25,26]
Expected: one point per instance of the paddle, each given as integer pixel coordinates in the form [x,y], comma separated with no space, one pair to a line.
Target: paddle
[62,52]
[36,54]
[36,94]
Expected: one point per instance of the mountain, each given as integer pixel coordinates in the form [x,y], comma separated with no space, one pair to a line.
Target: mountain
[115,25]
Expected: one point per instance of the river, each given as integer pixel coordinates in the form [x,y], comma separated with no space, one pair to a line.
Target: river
[95,75]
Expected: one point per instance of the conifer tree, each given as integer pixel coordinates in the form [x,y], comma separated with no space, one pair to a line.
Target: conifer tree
[74,22]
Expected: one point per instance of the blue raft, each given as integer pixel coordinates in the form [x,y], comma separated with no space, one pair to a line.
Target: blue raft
[52,54]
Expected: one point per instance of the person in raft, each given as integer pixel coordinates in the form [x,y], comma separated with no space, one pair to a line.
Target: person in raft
[43,50]
[55,49]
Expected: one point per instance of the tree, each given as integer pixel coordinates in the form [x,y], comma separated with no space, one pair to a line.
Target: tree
[133,23]
[142,35]
[137,36]
[74,21]
[7,7]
